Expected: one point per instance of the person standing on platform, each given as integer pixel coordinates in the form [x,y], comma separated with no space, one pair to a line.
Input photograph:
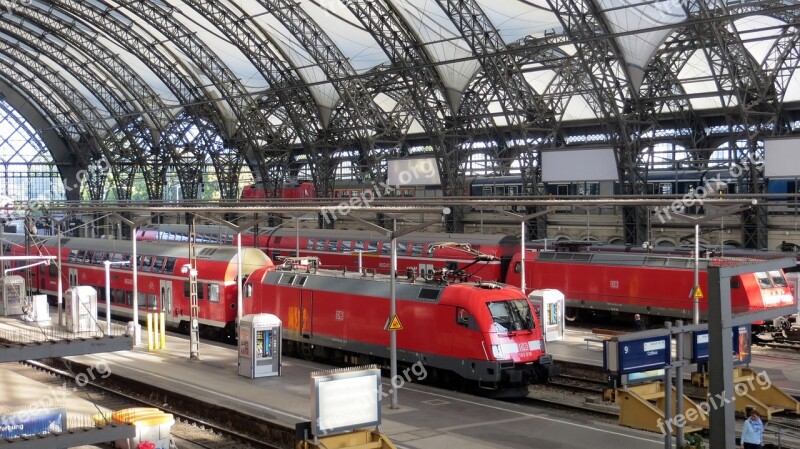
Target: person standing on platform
[752,431]
[638,324]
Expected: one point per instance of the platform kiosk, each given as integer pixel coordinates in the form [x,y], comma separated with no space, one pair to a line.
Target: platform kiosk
[13,293]
[259,346]
[549,304]
[81,305]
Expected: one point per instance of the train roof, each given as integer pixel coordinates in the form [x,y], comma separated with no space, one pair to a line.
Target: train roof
[426,237]
[166,249]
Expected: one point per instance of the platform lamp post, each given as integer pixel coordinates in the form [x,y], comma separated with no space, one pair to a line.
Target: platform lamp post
[523,219]
[137,332]
[393,236]
[108,264]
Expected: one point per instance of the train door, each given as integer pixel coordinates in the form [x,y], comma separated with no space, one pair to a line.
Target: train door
[306,313]
[73,277]
[166,300]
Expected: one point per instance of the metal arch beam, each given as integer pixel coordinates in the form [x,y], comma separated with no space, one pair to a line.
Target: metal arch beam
[365,123]
[70,99]
[60,148]
[185,86]
[513,92]
[256,44]
[449,135]
[64,58]
[245,138]
[735,71]
[599,57]
[154,111]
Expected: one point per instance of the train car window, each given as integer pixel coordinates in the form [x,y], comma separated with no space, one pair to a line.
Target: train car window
[201,291]
[562,189]
[518,267]
[359,246]
[115,257]
[735,282]
[416,249]
[346,245]
[778,279]
[52,270]
[333,245]
[402,249]
[142,300]
[81,254]
[146,262]
[127,258]
[372,246]
[88,257]
[286,279]
[186,291]
[320,245]
[73,254]
[310,244]
[248,291]
[158,263]
[301,280]
[213,292]
[151,301]
[386,248]
[465,318]
[98,257]
[763,280]
[170,265]
[487,191]
[428,293]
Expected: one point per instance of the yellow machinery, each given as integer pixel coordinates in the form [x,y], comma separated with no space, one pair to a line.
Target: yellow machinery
[358,439]
[642,407]
[752,390]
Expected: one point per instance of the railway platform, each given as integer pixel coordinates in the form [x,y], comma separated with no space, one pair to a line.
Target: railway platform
[427,418]
[783,371]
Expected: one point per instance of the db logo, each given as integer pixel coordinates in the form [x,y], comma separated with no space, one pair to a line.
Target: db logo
[614,284]
[523,347]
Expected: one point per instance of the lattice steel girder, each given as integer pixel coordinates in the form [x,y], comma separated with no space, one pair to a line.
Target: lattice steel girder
[512,91]
[71,99]
[162,17]
[256,44]
[365,122]
[185,86]
[100,89]
[420,80]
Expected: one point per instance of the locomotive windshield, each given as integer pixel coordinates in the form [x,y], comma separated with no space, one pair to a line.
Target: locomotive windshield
[511,316]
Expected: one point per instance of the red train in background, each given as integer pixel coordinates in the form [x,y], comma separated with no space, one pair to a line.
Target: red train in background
[481,332]
[596,280]
[162,286]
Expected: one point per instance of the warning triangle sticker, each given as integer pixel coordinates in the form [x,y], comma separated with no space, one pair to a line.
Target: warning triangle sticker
[394,324]
[697,293]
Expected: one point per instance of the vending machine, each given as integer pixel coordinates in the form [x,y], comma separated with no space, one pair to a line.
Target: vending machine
[81,305]
[259,345]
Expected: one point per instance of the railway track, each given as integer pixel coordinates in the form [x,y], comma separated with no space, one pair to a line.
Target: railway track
[191,430]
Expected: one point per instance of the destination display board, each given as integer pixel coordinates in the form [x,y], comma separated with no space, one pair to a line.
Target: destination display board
[638,355]
[740,343]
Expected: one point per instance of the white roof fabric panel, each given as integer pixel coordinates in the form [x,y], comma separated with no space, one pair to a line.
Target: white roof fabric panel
[598,164]
[637,48]
[517,19]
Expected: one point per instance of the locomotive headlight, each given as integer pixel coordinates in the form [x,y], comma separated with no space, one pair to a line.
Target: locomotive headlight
[497,352]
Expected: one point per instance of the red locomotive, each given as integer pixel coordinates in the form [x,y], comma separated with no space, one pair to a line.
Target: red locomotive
[162,286]
[481,332]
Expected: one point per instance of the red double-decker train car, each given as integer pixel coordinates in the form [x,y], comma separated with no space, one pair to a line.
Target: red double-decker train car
[649,284]
[162,284]
[481,332]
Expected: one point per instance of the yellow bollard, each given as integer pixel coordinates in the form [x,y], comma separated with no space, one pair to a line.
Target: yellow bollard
[163,331]
[149,331]
[156,327]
